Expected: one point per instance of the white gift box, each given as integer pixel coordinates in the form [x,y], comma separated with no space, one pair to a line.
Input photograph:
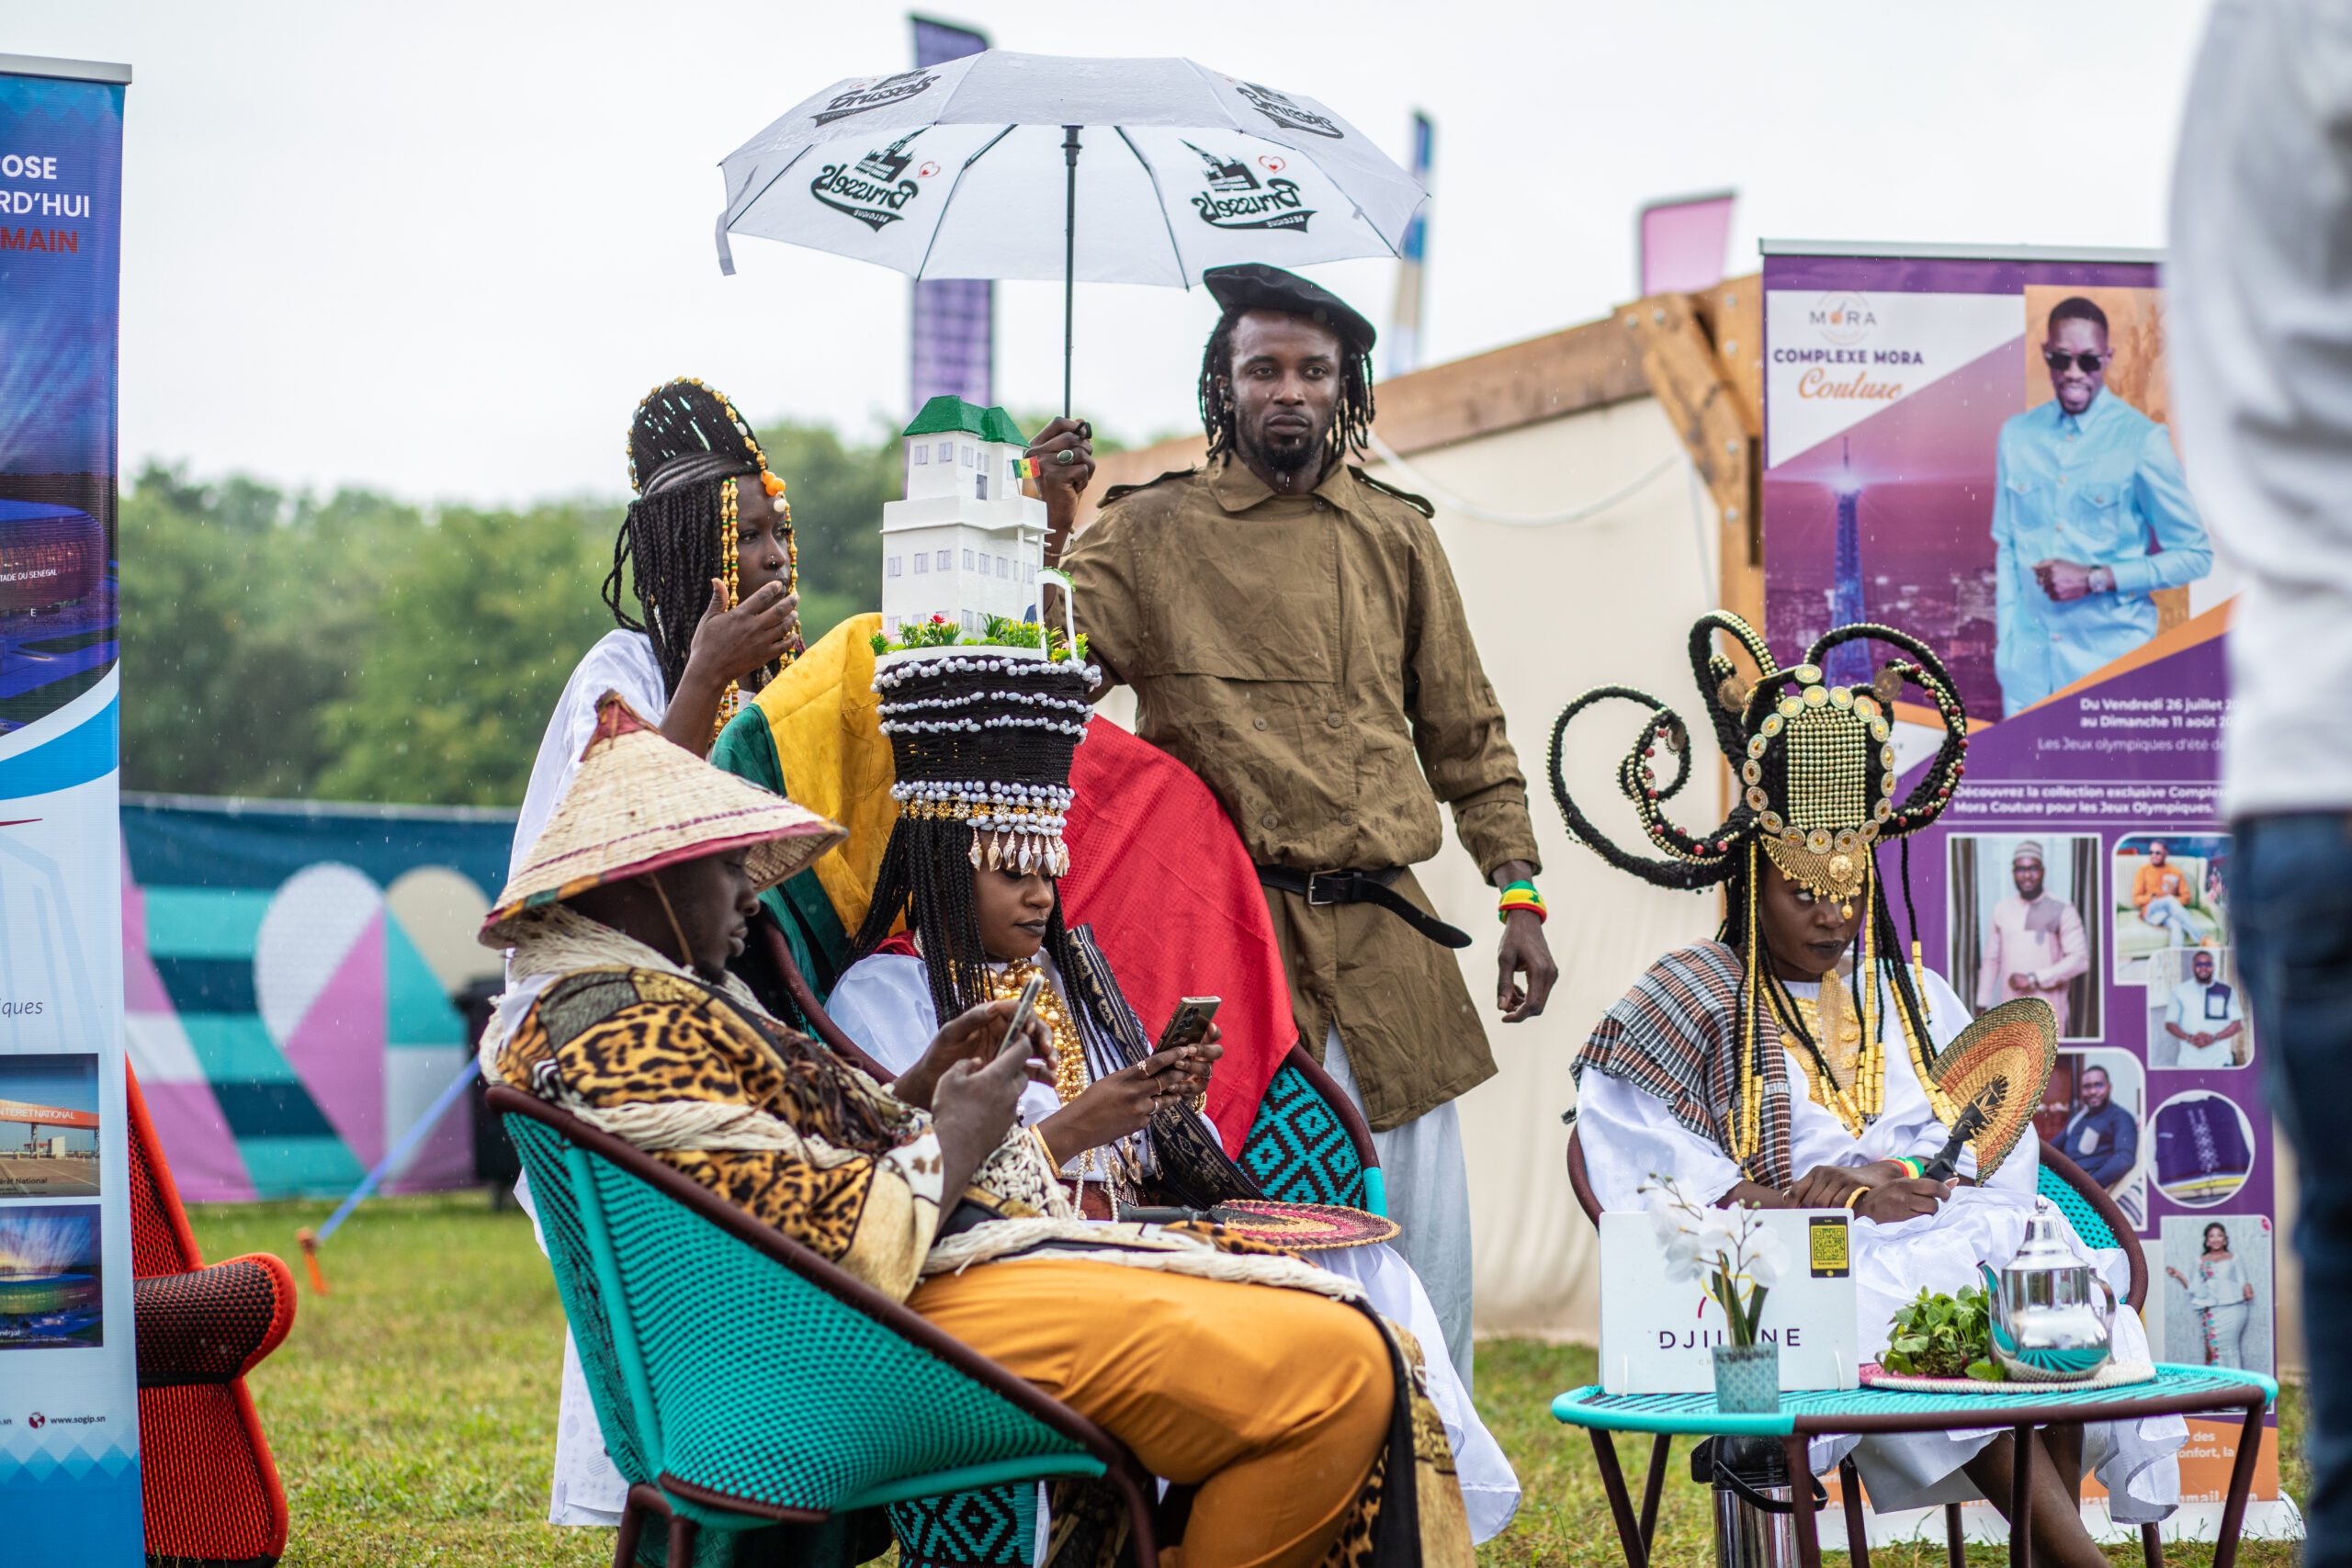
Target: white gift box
[1658,1335]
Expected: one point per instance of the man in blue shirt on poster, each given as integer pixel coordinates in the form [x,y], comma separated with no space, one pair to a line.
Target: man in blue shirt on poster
[2100,1137]
[2090,514]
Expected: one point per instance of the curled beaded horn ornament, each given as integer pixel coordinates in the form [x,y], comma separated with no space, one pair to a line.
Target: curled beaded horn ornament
[1816,793]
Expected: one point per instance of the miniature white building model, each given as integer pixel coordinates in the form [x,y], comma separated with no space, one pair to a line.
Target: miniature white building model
[966,543]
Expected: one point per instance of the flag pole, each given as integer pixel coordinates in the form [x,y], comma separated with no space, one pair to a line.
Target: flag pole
[1069,255]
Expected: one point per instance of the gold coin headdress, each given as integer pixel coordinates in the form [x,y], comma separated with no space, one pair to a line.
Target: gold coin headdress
[1816,763]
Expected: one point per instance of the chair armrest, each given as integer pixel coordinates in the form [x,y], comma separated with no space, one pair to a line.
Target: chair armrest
[211,1324]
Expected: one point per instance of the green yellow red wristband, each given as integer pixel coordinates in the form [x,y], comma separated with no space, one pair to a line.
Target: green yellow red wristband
[1523,895]
[1917,1168]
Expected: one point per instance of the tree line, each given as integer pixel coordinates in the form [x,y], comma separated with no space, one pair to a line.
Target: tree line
[361,648]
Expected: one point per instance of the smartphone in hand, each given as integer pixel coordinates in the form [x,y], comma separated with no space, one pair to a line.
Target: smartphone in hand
[1188,1024]
[1020,1022]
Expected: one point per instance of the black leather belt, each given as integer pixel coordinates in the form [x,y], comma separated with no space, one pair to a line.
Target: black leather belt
[1319,888]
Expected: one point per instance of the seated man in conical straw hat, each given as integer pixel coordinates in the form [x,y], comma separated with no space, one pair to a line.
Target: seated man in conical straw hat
[1268,1386]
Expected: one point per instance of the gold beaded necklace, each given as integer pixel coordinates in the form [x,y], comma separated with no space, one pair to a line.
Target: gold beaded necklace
[1070,1055]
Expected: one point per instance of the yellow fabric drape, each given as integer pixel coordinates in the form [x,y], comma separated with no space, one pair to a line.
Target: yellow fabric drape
[829,741]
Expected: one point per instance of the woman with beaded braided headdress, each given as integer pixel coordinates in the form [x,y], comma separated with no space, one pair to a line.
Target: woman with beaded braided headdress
[709,540]
[1787,1063]
[708,552]
[982,738]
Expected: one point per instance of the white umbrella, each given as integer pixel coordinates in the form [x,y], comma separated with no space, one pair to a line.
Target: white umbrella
[951,171]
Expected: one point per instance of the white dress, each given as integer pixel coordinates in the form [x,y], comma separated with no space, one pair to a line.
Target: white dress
[586,1489]
[2217,1291]
[1628,1135]
[884,1003]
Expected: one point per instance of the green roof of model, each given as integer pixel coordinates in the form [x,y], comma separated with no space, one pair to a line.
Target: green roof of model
[948,412]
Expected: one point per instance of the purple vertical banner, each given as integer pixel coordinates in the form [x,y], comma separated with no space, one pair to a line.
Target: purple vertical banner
[1403,342]
[1680,243]
[951,335]
[1973,448]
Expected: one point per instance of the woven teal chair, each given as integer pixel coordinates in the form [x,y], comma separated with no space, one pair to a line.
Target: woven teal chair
[1309,1144]
[742,1381]
[2095,1220]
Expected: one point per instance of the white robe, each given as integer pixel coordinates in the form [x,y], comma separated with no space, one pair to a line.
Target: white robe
[884,1003]
[1628,1135]
[586,1489]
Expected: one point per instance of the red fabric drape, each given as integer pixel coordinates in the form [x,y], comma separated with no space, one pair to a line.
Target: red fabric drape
[1158,871]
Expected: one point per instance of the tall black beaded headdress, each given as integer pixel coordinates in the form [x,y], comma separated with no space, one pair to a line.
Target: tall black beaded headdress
[981,737]
[686,448]
[1816,794]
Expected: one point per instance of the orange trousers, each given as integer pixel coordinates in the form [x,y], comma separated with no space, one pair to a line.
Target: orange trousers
[1273,1402]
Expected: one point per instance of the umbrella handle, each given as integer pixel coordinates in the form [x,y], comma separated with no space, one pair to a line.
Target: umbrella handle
[1069,255]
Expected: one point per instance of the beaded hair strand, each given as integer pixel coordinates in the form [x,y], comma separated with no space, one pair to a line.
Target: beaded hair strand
[678,536]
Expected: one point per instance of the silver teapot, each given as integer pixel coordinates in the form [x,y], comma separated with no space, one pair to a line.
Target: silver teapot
[2046,1326]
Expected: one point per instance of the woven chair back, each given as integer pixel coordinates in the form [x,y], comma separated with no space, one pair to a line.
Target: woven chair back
[748,1379]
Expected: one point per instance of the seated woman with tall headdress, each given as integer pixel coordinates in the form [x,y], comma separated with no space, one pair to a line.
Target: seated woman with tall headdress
[1778,1066]
[982,739]
[1267,1384]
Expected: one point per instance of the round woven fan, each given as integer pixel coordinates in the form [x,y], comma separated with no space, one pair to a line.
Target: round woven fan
[1996,1071]
[1304,1227]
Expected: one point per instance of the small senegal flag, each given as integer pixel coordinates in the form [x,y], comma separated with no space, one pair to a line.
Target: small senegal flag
[1027,468]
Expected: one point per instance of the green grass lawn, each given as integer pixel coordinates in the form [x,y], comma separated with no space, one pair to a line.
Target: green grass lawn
[412,1408]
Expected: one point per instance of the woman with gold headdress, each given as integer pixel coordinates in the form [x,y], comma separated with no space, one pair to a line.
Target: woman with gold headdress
[1787,1063]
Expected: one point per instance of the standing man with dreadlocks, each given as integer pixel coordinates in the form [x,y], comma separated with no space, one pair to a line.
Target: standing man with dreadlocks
[1295,636]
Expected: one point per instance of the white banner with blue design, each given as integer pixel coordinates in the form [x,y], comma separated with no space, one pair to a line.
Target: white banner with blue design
[69,1395]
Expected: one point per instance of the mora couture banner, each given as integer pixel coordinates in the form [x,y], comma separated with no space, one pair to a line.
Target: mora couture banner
[1972,446]
[69,1399]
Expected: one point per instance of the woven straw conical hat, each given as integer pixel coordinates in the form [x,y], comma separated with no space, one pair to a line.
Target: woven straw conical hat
[640,802]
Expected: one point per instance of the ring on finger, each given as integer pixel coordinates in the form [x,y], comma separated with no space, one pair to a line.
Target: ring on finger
[1065,457]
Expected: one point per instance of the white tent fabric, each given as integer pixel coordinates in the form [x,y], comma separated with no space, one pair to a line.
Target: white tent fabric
[958,171]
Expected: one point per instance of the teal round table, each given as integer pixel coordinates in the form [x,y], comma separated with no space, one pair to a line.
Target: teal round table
[1828,1413]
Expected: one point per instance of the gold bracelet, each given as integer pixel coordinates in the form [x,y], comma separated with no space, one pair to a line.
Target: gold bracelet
[1853,1205]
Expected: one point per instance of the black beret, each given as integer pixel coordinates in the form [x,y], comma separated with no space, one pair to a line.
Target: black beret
[1254,286]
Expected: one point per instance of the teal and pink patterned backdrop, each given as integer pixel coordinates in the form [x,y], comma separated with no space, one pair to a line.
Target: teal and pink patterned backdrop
[289,974]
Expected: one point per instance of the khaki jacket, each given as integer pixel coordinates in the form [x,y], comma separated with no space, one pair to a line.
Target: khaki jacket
[1307,657]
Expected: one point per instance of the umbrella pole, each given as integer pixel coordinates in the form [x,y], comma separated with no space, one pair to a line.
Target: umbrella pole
[1069,255]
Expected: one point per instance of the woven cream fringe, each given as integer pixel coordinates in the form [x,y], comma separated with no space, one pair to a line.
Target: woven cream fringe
[1131,1247]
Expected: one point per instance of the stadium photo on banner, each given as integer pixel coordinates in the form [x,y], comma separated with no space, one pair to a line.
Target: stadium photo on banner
[49,1126]
[51,1288]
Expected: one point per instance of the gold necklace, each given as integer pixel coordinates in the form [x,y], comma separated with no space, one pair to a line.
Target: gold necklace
[1069,1055]
[1857,1101]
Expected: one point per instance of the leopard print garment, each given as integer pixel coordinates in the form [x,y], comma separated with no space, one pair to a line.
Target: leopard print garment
[859,1187]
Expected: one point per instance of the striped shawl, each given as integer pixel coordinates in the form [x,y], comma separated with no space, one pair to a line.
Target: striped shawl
[1676,1035]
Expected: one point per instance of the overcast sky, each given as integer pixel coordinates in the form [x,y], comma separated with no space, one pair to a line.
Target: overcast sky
[442,249]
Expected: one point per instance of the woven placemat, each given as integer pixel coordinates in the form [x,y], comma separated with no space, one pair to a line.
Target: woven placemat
[1304,1227]
[2115,1375]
